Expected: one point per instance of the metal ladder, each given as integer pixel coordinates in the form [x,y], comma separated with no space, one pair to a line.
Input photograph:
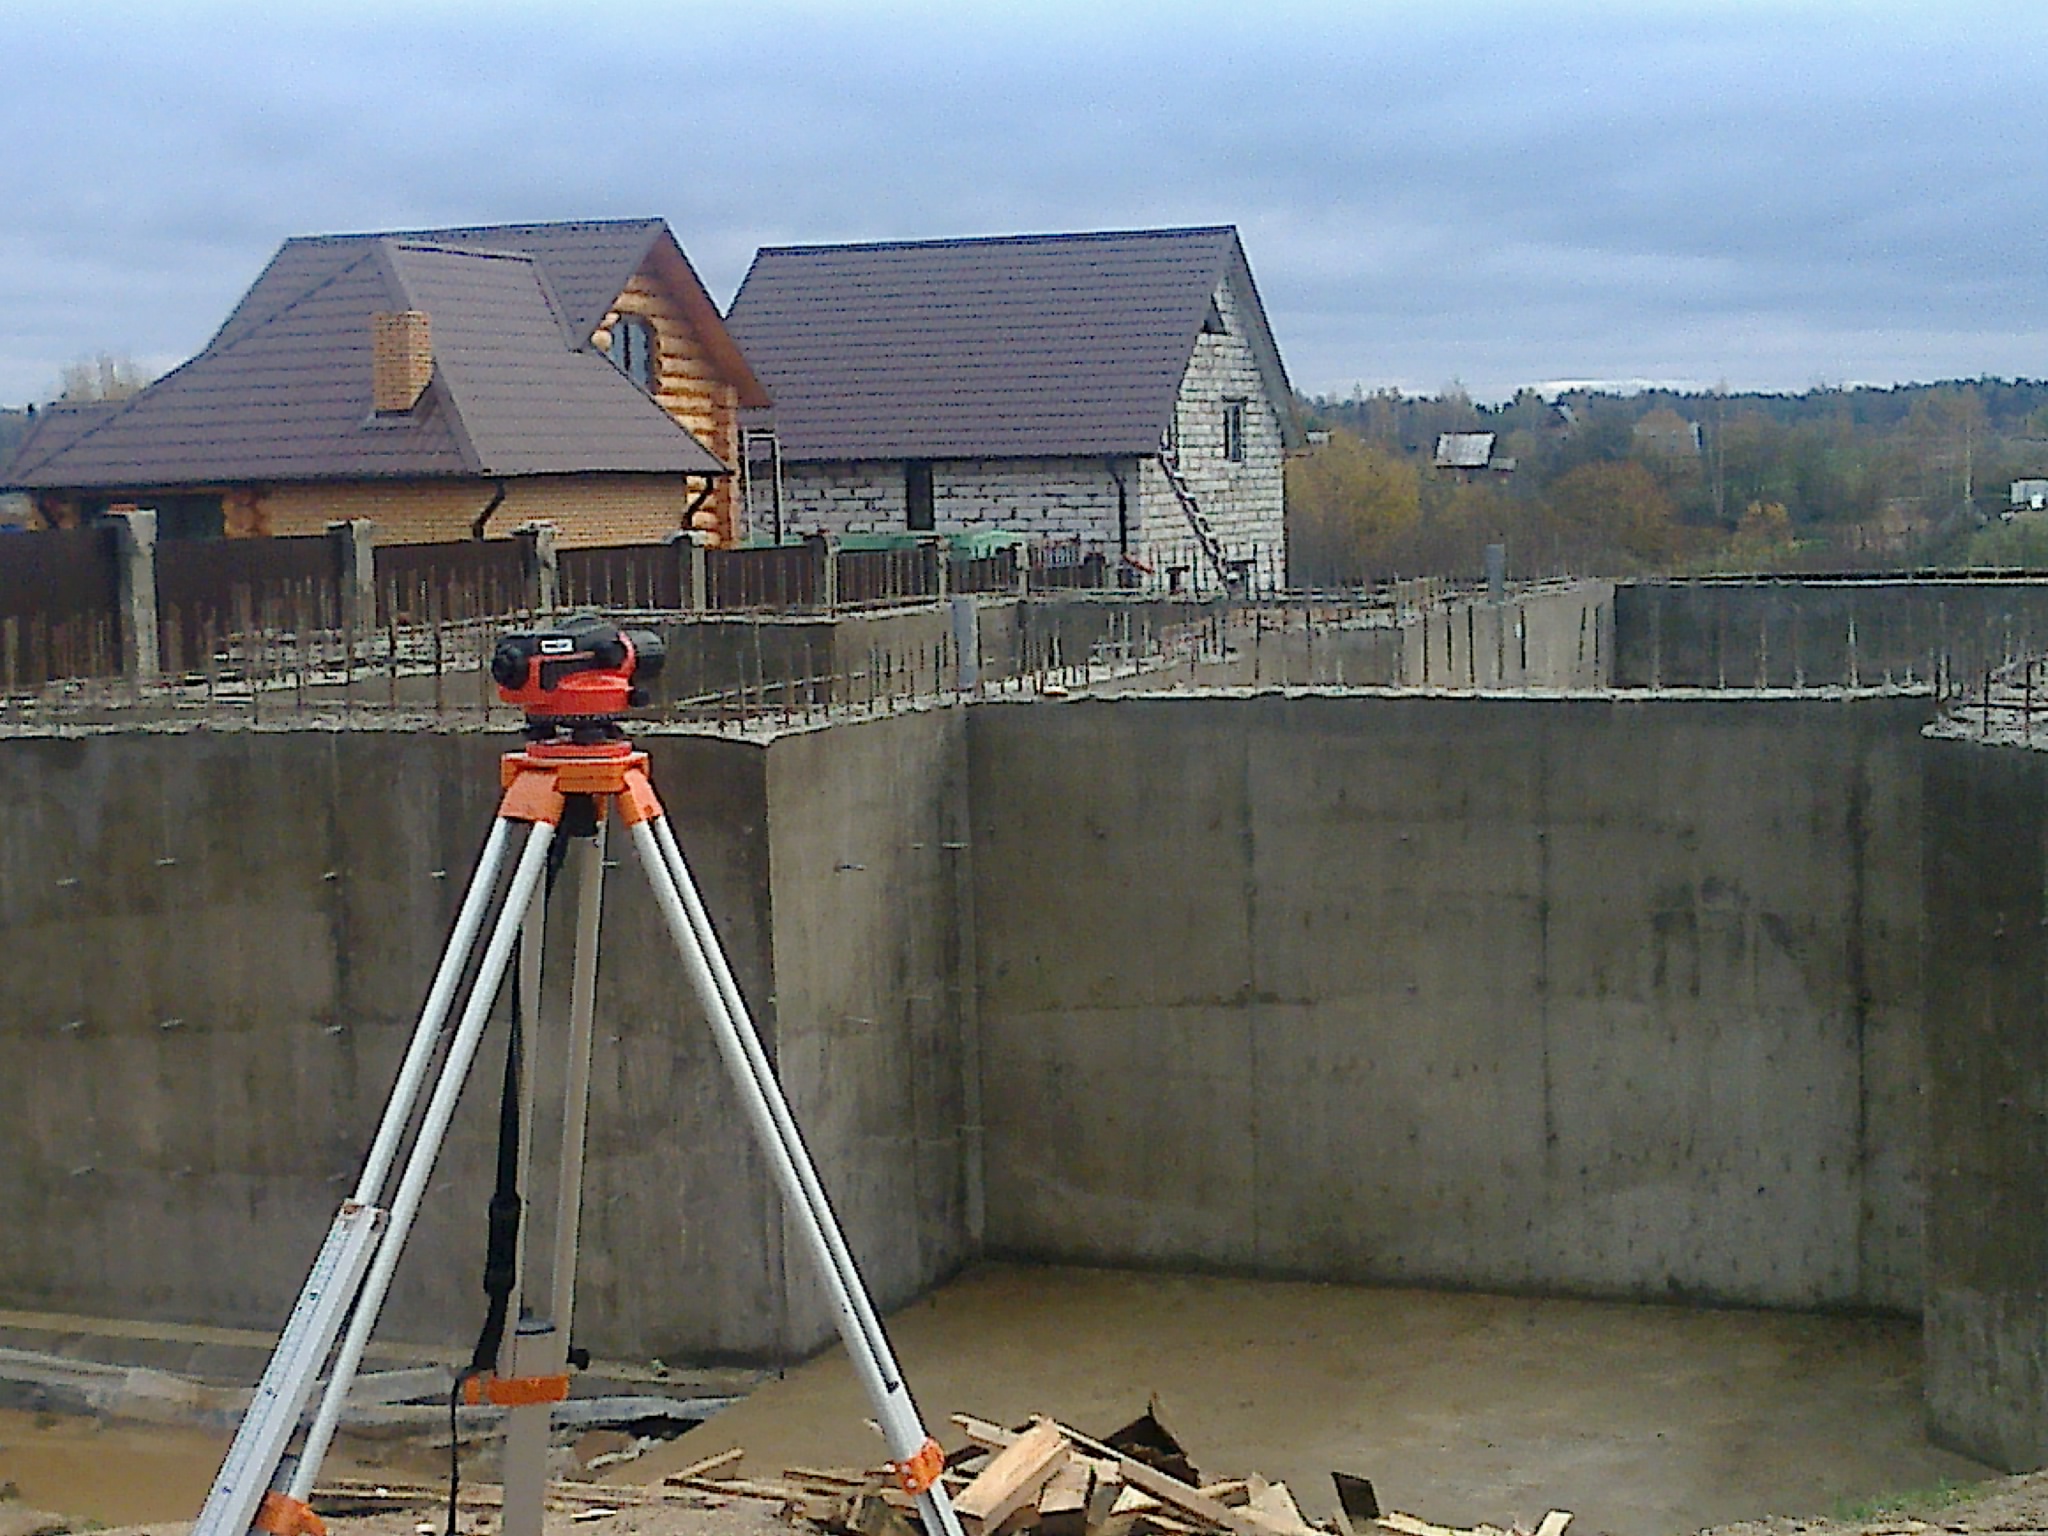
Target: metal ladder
[1198,521]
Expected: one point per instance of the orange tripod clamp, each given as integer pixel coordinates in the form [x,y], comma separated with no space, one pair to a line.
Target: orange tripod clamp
[538,780]
[514,1391]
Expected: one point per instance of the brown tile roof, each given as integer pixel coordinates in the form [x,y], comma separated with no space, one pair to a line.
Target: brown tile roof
[282,392]
[1026,346]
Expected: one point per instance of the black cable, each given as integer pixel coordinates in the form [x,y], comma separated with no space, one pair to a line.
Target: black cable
[455,1449]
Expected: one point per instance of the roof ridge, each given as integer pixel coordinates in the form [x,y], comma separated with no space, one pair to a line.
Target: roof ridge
[343,237]
[954,241]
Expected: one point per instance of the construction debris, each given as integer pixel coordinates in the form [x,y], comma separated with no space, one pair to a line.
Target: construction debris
[1044,1478]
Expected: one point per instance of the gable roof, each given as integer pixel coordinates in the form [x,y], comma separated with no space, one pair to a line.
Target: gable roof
[282,391]
[1017,346]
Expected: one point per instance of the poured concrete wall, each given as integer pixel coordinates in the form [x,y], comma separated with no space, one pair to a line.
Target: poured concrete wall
[1614,998]
[1987,1077]
[1793,632]
[222,942]
[867,847]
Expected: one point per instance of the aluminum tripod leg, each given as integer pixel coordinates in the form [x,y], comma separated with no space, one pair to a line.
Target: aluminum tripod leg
[776,1131]
[419,1165]
[338,1272]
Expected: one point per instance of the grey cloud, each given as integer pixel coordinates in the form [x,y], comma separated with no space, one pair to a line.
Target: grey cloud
[1505,193]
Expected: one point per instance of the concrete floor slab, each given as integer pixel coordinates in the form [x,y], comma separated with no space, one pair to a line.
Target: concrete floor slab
[1461,1408]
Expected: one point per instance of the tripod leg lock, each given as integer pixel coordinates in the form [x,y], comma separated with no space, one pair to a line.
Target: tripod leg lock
[282,1515]
[514,1391]
[917,1473]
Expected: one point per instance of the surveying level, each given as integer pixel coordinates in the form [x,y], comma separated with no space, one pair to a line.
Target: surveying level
[577,675]
[576,771]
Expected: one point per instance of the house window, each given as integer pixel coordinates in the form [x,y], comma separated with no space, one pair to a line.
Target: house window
[1233,431]
[917,495]
[633,350]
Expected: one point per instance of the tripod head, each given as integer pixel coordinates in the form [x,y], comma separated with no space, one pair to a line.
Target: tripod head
[577,676]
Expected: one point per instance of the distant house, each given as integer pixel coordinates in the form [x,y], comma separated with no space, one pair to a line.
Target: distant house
[2029,495]
[447,383]
[1119,390]
[1471,454]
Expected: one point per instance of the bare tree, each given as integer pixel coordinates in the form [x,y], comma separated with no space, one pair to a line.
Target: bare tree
[104,377]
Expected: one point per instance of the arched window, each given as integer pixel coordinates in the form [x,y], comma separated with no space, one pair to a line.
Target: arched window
[633,350]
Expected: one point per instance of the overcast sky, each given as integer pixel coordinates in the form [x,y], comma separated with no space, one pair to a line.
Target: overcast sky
[1763,195]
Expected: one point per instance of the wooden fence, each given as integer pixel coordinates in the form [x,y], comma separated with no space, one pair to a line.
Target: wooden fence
[212,592]
[782,576]
[59,607]
[420,584]
[624,576]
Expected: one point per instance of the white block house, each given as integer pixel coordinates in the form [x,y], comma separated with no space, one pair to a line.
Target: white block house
[1054,385]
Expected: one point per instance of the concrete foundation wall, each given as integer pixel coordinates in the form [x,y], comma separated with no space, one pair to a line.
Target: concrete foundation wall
[1821,633]
[232,934]
[873,978]
[1987,1077]
[1614,997]
[1569,996]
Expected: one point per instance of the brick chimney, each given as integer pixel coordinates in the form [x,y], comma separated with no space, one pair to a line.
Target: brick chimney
[402,360]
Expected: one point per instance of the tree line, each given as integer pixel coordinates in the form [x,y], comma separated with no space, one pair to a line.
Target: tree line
[1600,483]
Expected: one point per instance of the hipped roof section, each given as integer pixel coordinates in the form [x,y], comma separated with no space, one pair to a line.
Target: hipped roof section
[1019,346]
[282,391]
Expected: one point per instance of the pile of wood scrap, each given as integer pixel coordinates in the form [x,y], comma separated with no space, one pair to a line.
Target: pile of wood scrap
[1043,1478]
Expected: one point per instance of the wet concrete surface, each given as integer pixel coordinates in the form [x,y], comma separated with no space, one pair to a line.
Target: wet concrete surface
[1460,1408]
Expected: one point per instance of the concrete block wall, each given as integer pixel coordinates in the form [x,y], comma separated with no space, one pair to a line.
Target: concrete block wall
[1046,499]
[1244,502]
[1580,996]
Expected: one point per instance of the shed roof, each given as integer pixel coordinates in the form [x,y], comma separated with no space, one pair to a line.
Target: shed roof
[1464,450]
[282,391]
[1018,346]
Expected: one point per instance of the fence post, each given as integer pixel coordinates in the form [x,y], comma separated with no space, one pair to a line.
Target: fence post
[825,553]
[135,574]
[697,572]
[942,562]
[542,564]
[355,572]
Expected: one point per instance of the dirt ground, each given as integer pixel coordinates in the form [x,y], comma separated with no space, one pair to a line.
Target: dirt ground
[1644,1421]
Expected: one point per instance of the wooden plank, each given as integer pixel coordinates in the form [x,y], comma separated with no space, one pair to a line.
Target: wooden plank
[1274,1507]
[1553,1524]
[709,1466]
[1134,1501]
[845,1477]
[1356,1499]
[1234,1491]
[739,1487]
[1012,1478]
[1171,1490]
[1067,1493]
[982,1432]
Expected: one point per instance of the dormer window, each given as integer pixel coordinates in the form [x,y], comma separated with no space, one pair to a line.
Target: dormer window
[633,350]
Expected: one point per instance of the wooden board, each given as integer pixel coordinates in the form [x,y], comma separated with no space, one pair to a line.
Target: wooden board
[1171,1490]
[1012,1478]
